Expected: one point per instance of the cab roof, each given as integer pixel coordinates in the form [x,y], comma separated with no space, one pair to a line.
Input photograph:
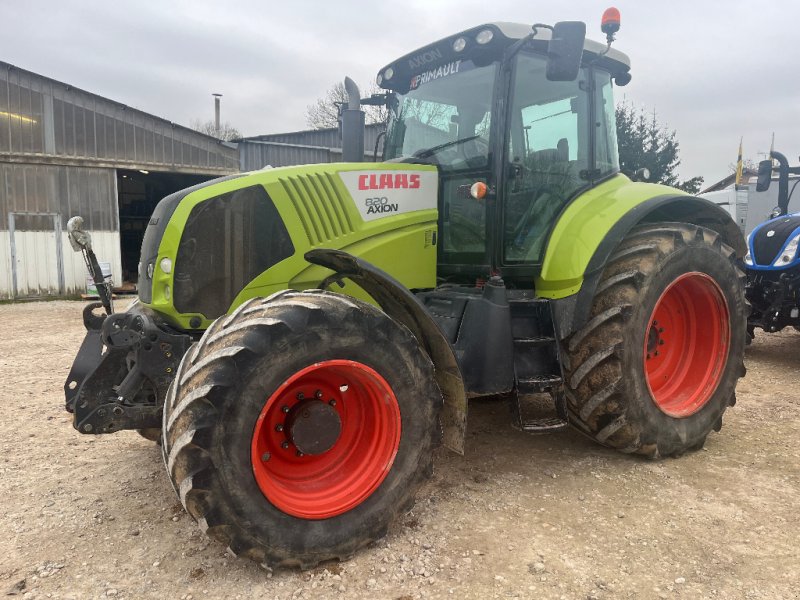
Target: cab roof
[505,34]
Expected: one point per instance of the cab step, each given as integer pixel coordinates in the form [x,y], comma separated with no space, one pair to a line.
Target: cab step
[542,384]
[543,425]
[538,405]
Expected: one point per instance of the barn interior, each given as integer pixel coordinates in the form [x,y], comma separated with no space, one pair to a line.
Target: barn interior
[138,192]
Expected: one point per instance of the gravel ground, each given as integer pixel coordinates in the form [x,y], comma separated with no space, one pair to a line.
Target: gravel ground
[519,516]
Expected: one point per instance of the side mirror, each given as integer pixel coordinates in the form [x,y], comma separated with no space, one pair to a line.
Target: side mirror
[565,50]
[764,175]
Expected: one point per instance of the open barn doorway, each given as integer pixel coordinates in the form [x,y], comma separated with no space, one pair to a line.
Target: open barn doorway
[138,192]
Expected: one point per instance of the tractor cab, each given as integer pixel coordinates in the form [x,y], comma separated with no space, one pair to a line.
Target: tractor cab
[485,106]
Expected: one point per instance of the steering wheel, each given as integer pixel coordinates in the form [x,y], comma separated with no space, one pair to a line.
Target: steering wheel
[474,150]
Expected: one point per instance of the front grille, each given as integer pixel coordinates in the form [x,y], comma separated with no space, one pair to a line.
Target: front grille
[228,240]
[320,206]
[766,249]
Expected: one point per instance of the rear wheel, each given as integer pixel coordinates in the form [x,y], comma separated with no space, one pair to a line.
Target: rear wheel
[656,366]
[300,426]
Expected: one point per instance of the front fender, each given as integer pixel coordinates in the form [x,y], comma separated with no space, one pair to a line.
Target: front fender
[402,306]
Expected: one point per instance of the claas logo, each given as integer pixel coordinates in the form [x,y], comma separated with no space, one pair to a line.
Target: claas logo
[389,181]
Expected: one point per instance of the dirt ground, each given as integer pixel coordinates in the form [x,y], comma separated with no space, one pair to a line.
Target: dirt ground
[519,516]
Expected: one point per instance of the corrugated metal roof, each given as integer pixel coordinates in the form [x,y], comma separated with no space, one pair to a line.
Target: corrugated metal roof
[44,120]
[325,138]
[254,155]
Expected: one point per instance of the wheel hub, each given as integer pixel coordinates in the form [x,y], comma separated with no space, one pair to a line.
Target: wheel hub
[313,427]
[654,339]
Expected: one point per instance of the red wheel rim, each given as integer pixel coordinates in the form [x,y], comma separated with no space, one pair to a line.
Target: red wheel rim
[686,344]
[307,465]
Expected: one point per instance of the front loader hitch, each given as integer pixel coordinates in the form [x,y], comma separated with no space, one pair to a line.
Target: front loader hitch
[120,377]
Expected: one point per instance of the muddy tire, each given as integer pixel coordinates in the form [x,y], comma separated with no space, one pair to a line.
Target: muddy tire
[248,421]
[656,366]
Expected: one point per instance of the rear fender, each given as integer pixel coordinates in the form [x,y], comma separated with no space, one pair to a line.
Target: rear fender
[402,306]
[591,228]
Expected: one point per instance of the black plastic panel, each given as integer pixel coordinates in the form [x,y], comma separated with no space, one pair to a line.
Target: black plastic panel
[155,231]
[228,240]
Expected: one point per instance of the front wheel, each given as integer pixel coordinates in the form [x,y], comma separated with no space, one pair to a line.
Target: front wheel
[656,366]
[300,426]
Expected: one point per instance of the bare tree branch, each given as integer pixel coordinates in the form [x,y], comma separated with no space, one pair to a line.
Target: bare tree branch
[324,112]
[226,133]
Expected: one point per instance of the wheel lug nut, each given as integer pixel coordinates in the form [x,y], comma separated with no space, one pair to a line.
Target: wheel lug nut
[660,330]
[299,453]
[656,353]
[318,394]
[660,342]
[300,396]
[285,408]
[266,456]
[648,356]
[278,427]
[332,402]
[284,445]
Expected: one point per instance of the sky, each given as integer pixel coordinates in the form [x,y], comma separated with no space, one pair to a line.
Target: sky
[713,71]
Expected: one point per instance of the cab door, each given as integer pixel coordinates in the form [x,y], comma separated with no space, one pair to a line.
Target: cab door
[547,158]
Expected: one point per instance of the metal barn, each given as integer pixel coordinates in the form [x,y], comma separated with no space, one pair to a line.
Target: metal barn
[304,147]
[66,152]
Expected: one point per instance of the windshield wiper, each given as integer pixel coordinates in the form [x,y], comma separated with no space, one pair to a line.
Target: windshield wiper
[431,151]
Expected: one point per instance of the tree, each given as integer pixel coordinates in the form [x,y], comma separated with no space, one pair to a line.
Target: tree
[324,112]
[226,133]
[644,143]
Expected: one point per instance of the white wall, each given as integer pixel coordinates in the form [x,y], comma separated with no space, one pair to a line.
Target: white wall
[105,245]
[38,267]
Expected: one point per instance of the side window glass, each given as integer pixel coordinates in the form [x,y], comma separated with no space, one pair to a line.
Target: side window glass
[548,153]
[606,155]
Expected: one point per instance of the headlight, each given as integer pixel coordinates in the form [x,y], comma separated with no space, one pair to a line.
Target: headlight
[388,73]
[748,259]
[788,253]
[484,37]
[459,44]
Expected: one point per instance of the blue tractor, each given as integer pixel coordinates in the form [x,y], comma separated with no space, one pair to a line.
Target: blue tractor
[772,260]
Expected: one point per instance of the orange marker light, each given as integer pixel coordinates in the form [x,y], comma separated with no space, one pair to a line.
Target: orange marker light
[610,22]
[478,190]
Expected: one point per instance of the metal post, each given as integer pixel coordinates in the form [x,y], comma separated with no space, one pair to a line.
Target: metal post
[216,112]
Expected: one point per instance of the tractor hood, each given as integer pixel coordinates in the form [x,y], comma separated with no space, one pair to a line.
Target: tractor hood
[210,247]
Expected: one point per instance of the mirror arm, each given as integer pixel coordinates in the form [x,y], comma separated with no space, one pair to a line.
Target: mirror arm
[783,181]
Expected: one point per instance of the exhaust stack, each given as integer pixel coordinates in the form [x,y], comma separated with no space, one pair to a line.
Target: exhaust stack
[352,124]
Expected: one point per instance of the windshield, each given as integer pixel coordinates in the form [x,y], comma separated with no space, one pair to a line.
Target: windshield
[445,117]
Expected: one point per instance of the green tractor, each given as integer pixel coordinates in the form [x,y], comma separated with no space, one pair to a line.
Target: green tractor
[305,337]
